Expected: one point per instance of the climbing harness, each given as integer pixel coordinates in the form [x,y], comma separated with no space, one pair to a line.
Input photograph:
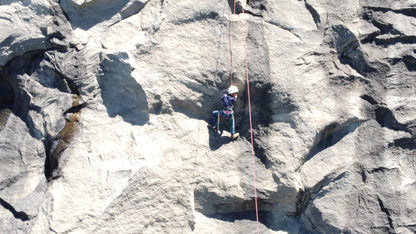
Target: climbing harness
[227,112]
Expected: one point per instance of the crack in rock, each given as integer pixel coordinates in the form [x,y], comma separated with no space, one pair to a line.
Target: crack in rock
[308,195]
[385,117]
[198,17]
[404,143]
[17,214]
[55,148]
[315,16]
[387,212]
[404,11]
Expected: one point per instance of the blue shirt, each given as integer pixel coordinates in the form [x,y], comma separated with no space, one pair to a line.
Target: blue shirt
[227,101]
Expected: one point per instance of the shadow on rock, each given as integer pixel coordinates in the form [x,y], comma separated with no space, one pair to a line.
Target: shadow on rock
[91,13]
[349,50]
[217,139]
[120,92]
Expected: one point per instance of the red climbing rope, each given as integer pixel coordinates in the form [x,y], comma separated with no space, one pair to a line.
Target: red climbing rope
[249,107]
[231,49]
[251,126]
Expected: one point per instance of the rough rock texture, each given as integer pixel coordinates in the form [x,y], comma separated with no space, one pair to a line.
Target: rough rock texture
[104,108]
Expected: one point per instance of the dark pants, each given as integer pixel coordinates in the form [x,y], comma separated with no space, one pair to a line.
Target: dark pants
[228,114]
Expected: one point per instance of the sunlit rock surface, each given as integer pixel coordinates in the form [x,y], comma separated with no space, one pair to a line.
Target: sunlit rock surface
[104,107]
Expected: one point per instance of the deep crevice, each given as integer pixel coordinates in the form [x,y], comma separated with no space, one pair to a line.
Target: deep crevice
[6,100]
[395,40]
[55,147]
[404,143]
[369,99]
[75,109]
[370,37]
[410,62]
[385,117]
[303,199]
[51,164]
[199,17]
[17,214]
[260,153]
[406,11]
[412,227]
[363,174]
[305,195]
[314,13]
[381,170]
[387,212]
[70,83]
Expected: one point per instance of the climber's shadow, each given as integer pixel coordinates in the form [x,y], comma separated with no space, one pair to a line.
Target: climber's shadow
[218,138]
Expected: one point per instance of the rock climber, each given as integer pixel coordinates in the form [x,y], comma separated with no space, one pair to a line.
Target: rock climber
[228,100]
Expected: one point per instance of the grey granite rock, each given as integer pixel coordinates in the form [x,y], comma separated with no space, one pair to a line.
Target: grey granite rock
[104,107]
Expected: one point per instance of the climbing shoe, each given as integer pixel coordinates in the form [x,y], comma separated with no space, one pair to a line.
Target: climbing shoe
[234,136]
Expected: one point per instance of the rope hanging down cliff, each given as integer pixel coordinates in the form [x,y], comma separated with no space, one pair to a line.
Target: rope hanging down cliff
[231,47]
[249,105]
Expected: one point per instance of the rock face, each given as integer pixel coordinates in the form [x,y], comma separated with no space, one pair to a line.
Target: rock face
[104,107]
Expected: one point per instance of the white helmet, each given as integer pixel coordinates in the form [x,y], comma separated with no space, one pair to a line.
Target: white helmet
[232,89]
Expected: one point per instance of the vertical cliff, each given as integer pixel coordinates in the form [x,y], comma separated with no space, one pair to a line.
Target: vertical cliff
[104,107]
